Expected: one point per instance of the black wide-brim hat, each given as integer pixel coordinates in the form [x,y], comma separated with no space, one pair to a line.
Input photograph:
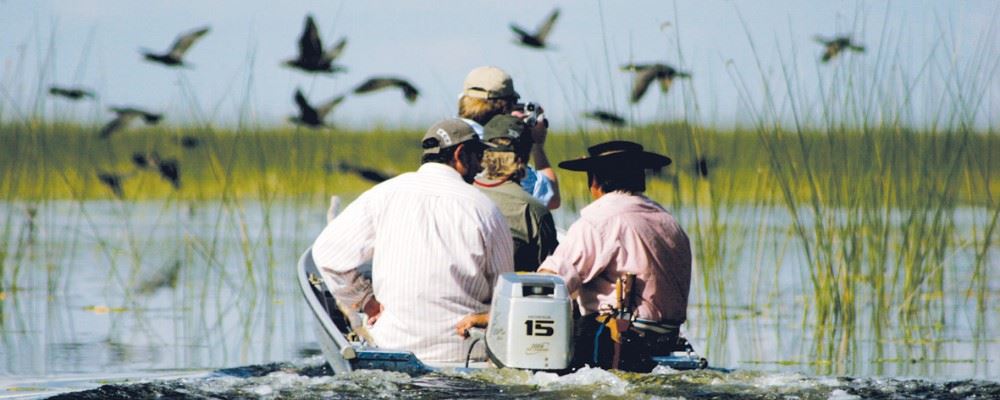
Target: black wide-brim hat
[617,154]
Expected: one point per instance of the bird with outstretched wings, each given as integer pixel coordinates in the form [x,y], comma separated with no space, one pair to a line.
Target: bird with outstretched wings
[313,116]
[124,116]
[113,181]
[175,56]
[606,117]
[312,57]
[387,82]
[538,39]
[645,74]
[72,93]
[835,46]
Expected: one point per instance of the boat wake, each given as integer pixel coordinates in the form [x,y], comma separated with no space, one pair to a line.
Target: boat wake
[312,378]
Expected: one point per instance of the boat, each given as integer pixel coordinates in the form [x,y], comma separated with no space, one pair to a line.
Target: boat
[345,348]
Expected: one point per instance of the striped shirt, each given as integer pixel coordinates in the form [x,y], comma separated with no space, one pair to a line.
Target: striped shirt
[436,245]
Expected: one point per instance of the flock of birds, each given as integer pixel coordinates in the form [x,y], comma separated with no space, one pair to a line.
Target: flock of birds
[311,58]
[665,74]
[314,58]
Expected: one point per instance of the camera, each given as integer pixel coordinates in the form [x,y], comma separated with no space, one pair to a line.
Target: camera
[530,110]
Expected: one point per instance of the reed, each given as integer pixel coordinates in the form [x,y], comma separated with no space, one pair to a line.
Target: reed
[866,201]
[62,162]
[873,200]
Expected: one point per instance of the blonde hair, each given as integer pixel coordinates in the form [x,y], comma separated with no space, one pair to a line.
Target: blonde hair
[502,164]
[482,110]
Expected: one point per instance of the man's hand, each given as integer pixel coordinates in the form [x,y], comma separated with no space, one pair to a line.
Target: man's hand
[541,128]
[541,161]
[373,309]
[471,321]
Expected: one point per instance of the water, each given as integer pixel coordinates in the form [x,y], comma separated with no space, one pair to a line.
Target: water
[161,297]
[309,379]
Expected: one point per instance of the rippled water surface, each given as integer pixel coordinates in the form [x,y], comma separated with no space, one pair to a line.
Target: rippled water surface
[199,300]
[309,379]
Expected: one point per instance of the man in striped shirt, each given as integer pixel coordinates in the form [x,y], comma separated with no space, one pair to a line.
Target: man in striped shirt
[436,244]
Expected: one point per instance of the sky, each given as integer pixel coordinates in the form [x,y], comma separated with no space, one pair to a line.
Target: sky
[925,51]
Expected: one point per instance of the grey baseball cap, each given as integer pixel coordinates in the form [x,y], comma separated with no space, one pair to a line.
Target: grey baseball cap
[489,83]
[450,132]
[506,126]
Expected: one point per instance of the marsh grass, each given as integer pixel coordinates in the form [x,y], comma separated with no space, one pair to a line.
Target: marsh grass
[874,220]
[872,199]
[270,164]
[870,202]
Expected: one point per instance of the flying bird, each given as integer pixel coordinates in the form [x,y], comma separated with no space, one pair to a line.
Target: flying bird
[310,116]
[113,181]
[837,45]
[379,83]
[175,57]
[368,174]
[646,73]
[190,142]
[702,165]
[169,170]
[165,277]
[312,57]
[143,161]
[606,117]
[536,40]
[72,93]
[124,117]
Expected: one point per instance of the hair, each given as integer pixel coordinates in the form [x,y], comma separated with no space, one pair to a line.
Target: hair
[629,180]
[503,165]
[445,154]
[441,157]
[482,110]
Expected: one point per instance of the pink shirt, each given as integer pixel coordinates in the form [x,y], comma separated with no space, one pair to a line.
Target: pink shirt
[621,233]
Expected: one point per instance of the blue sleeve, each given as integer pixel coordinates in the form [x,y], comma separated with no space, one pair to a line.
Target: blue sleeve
[538,185]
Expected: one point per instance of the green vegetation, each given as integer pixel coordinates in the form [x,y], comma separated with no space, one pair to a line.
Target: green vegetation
[870,211]
[869,222]
[60,161]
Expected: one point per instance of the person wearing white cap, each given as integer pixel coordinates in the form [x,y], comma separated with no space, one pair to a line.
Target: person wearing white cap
[489,91]
[436,245]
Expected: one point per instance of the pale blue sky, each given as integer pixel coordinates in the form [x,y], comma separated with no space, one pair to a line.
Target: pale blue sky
[95,43]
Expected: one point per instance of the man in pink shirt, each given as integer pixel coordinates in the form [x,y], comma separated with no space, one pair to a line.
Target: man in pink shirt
[623,232]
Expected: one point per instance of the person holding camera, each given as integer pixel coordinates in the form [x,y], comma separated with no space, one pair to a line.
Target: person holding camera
[489,91]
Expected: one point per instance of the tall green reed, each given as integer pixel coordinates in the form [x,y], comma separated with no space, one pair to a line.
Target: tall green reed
[872,199]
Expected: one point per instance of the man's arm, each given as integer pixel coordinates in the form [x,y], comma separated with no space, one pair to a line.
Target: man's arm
[547,237]
[539,133]
[578,258]
[471,321]
[343,246]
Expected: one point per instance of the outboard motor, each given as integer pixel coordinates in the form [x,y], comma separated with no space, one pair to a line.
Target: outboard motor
[531,322]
